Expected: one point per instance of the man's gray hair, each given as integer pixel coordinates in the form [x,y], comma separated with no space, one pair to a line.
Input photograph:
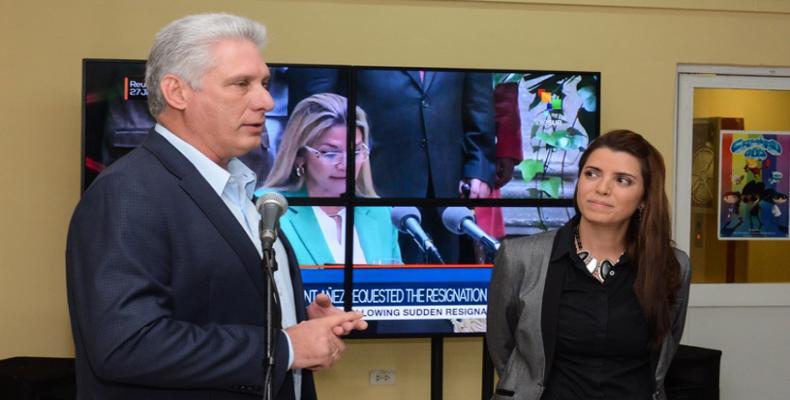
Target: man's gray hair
[183,48]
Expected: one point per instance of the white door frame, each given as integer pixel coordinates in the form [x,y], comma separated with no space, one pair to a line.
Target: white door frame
[689,78]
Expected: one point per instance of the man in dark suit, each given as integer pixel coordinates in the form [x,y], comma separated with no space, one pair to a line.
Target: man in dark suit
[432,133]
[163,258]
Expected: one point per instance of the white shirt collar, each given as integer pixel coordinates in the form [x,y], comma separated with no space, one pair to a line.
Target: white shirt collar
[216,176]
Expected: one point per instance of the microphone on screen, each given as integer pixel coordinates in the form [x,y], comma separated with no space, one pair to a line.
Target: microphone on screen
[407,220]
[459,220]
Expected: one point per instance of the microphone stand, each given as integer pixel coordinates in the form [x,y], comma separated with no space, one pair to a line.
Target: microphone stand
[489,249]
[269,265]
[432,250]
[428,249]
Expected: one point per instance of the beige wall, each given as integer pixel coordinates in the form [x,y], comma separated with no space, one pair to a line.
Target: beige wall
[636,50]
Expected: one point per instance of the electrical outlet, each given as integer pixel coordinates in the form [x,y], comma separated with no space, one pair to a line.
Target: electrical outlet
[382,377]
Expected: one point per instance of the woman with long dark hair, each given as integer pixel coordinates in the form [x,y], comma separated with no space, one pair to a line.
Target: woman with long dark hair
[595,309]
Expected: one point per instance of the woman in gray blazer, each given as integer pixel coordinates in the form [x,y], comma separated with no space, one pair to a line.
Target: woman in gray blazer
[595,309]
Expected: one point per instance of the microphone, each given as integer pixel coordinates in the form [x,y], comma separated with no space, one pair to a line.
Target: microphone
[271,206]
[459,220]
[407,220]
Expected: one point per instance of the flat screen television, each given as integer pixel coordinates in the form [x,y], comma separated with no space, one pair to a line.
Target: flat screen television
[429,134]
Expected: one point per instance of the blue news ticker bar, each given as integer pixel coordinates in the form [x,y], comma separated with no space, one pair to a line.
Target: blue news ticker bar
[398,275]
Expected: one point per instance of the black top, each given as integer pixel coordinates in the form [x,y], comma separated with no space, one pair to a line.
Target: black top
[601,344]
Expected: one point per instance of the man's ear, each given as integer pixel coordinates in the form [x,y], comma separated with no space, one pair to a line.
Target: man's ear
[175,91]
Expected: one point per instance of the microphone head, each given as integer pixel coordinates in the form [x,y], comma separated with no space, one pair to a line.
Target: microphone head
[272,199]
[398,215]
[453,218]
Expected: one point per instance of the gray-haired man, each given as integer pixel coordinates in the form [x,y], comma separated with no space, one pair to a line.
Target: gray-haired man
[163,256]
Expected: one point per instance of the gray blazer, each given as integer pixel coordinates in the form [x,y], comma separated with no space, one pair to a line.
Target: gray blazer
[515,324]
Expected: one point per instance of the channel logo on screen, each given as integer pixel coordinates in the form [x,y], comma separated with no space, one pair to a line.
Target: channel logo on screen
[134,89]
[551,100]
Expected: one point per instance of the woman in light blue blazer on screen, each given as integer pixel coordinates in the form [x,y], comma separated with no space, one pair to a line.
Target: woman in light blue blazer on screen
[311,162]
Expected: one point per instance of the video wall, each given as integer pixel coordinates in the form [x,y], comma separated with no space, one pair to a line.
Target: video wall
[401,181]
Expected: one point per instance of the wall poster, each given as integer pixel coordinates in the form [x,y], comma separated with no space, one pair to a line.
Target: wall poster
[753,185]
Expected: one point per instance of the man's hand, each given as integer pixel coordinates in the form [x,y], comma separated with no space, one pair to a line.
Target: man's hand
[315,343]
[322,307]
[477,189]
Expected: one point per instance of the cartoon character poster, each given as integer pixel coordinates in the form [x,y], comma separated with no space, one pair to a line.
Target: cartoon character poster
[753,185]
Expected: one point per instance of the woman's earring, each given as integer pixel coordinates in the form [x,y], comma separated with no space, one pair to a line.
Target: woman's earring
[638,214]
[300,170]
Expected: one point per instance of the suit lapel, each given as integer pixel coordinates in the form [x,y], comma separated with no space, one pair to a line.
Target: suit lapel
[423,84]
[305,225]
[366,229]
[215,210]
[414,74]
[296,279]
[428,81]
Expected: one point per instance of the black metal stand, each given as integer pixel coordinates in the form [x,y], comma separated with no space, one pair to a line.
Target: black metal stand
[437,361]
[269,265]
[437,379]
[488,374]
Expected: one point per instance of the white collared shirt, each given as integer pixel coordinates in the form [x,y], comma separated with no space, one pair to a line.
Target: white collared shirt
[338,247]
[235,186]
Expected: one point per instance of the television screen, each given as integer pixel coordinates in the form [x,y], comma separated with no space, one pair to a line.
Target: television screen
[557,116]
[405,212]
[115,112]
[451,126]
[116,116]
[425,290]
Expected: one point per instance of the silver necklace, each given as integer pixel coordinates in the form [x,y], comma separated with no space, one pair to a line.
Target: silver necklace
[599,270]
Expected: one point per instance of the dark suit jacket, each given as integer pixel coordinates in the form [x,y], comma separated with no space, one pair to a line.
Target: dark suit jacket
[165,289]
[442,127]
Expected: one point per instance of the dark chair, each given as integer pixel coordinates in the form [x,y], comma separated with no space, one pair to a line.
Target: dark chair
[37,378]
[693,374]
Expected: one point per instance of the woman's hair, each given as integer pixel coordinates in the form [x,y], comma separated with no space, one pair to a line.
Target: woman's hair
[648,239]
[184,48]
[309,120]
